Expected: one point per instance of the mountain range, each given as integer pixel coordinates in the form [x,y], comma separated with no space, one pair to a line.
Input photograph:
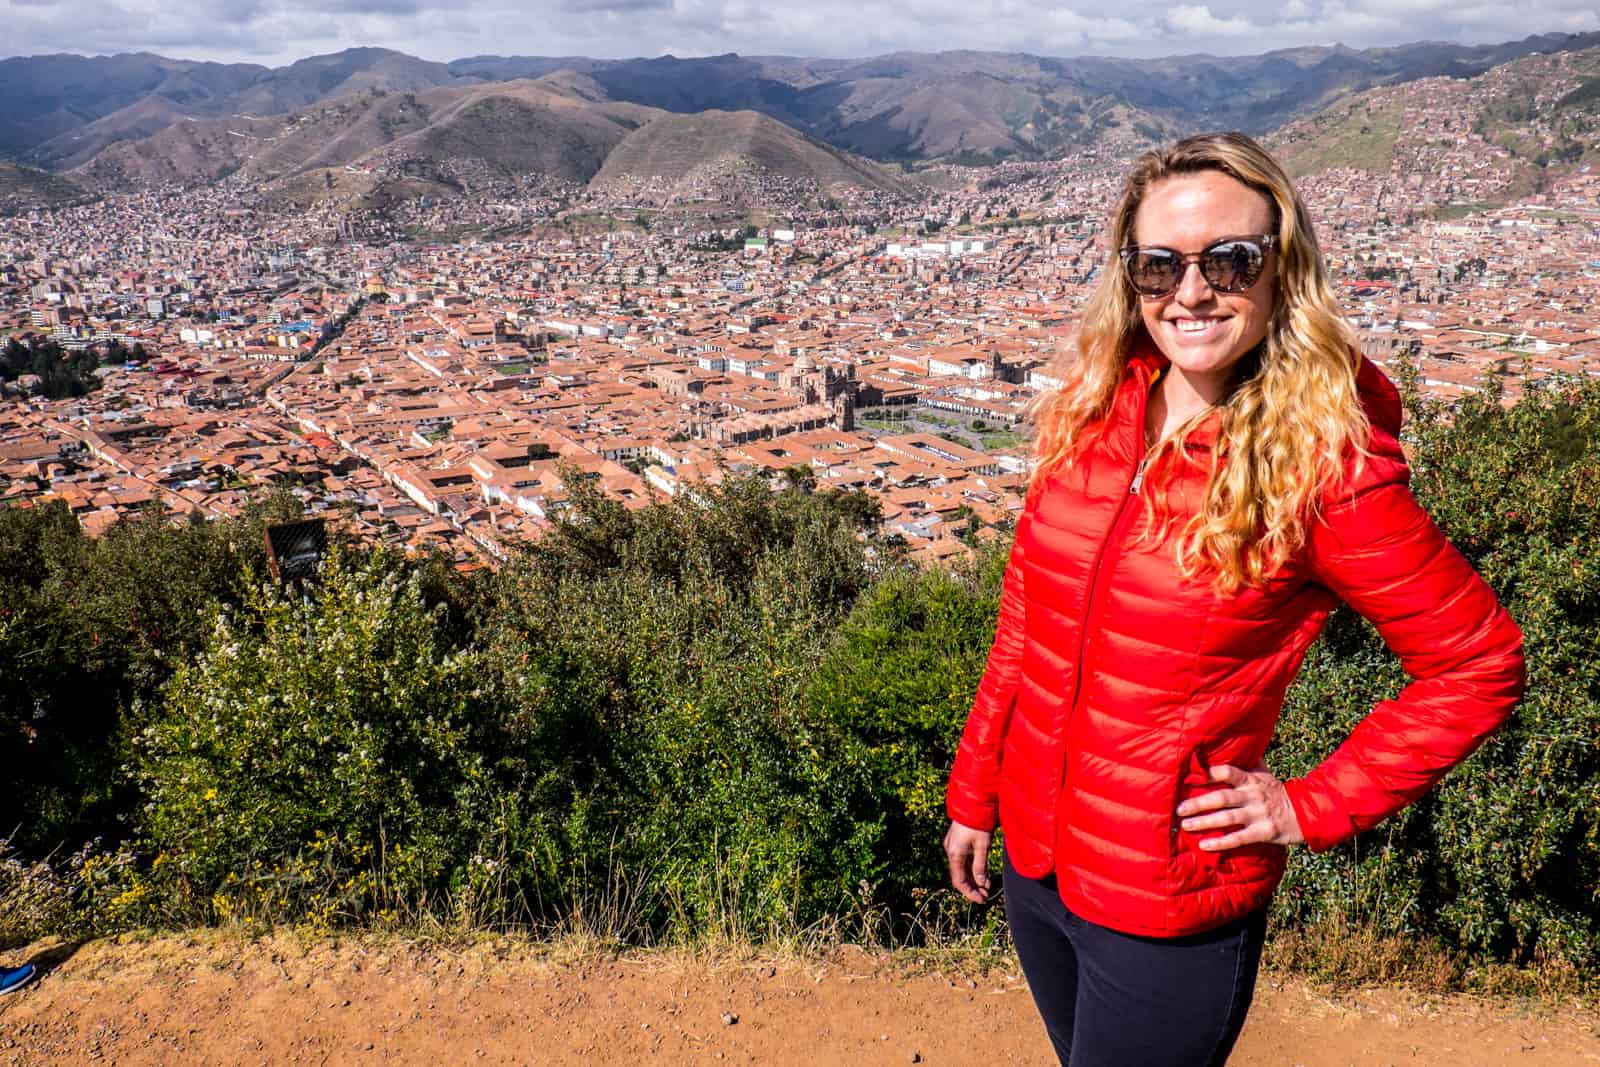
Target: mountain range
[110,122]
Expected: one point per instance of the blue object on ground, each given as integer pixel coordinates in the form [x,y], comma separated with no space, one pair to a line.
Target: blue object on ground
[14,978]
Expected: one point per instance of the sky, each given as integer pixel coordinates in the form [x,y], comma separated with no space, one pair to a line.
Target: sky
[275,32]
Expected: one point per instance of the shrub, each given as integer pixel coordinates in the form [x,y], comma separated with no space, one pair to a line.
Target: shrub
[672,778]
[89,892]
[728,715]
[895,690]
[88,627]
[322,756]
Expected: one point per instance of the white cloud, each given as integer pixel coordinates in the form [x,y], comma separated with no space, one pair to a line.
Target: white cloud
[280,31]
[1396,8]
[1063,21]
[1198,21]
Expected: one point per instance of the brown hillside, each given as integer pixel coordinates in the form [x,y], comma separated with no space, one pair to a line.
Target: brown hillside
[355,70]
[513,127]
[1509,123]
[185,152]
[143,118]
[23,188]
[210,93]
[524,127]
[684,154]
[575,84]
[982,115]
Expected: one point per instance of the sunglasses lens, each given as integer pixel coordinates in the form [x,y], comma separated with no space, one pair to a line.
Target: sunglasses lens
[1232,266]
[1228,267]
[1153,271]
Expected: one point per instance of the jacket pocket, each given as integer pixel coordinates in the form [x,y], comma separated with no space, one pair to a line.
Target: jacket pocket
[1193,867]
[1201,868]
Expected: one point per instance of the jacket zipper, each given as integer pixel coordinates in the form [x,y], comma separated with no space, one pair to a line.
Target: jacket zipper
[1115,535]
[1138,475]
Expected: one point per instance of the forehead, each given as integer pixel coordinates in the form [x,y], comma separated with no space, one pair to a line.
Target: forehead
[1188,211]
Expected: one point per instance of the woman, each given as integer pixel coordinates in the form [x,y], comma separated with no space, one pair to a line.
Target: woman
[1219,469]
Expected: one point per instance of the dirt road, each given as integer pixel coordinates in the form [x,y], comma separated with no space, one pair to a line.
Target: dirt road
[217,999]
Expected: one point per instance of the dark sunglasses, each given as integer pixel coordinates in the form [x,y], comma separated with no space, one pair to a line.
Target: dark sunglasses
[1230,265]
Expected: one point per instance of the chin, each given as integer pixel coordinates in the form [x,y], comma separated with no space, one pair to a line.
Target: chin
[1212,356]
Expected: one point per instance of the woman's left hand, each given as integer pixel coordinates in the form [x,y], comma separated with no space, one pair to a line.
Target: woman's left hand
[1254,802]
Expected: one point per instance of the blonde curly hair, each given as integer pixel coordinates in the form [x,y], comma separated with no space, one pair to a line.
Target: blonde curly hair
[1293,413]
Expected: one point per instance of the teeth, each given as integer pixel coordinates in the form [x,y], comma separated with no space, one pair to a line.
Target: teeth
[1194,325]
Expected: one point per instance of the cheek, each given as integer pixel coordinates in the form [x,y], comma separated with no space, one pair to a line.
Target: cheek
[1261,309]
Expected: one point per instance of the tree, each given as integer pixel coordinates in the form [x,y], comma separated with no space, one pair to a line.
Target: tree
[61,373]
[101,624]
[800,478]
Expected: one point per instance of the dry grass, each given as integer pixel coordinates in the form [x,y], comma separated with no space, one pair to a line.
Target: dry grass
[1343,956]
[1335,958]
[945,936]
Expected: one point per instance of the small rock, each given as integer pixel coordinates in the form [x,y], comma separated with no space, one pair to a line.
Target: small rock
[916,1057]
[729,1018]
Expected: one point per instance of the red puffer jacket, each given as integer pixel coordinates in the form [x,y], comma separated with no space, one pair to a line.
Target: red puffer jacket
[1115,682]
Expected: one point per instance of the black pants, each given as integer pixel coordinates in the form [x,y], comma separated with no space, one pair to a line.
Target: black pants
[1116,1000]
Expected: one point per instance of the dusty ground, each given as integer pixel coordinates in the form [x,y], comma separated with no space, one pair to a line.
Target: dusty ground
[215,999]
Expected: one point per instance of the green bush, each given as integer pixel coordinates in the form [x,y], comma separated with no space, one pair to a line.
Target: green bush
[92,625]
[895,690]
[322,757]
[658,661]
[1503,860]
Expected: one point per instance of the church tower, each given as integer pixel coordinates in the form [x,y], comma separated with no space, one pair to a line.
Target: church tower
[844,410]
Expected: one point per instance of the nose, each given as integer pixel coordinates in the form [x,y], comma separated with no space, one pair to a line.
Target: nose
[1192,285]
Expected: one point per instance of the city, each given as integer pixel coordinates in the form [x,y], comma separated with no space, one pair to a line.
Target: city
[437,394]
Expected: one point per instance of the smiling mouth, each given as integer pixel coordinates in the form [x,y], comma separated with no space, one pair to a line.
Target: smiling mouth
[1196,325]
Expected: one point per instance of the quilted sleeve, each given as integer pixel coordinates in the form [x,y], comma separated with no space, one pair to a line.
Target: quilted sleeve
[1381,553]
[972,797]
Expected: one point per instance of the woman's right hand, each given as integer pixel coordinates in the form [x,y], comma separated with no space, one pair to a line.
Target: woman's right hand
[968,852]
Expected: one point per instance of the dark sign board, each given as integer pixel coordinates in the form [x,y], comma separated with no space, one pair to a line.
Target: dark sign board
[295,548]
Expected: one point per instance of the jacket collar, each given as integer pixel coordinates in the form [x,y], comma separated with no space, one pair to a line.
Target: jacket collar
[1146,364]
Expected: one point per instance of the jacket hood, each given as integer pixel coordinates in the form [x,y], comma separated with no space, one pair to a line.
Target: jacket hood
[1379,397]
